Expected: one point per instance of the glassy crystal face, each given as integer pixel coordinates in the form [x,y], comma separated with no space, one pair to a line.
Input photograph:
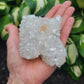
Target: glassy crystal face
[41,36]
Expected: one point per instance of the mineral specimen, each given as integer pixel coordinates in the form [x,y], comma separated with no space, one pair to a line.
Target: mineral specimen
[41,36]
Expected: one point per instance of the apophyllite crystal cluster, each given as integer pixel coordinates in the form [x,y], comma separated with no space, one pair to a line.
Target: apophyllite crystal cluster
[41,37]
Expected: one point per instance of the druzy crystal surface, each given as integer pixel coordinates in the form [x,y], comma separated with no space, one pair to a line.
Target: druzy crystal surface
[41,37]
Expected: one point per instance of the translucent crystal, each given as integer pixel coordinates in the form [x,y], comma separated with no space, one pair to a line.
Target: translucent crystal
[41,36]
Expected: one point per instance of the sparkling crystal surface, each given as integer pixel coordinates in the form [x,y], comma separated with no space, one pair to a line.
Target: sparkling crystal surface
[41,36]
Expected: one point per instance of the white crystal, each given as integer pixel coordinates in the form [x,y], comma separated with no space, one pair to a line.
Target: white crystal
[41,36]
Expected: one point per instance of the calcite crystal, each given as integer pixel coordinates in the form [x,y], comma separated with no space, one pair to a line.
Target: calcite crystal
[41,37]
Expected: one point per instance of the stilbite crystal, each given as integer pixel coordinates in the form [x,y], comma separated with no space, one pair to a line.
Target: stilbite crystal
[41,36]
